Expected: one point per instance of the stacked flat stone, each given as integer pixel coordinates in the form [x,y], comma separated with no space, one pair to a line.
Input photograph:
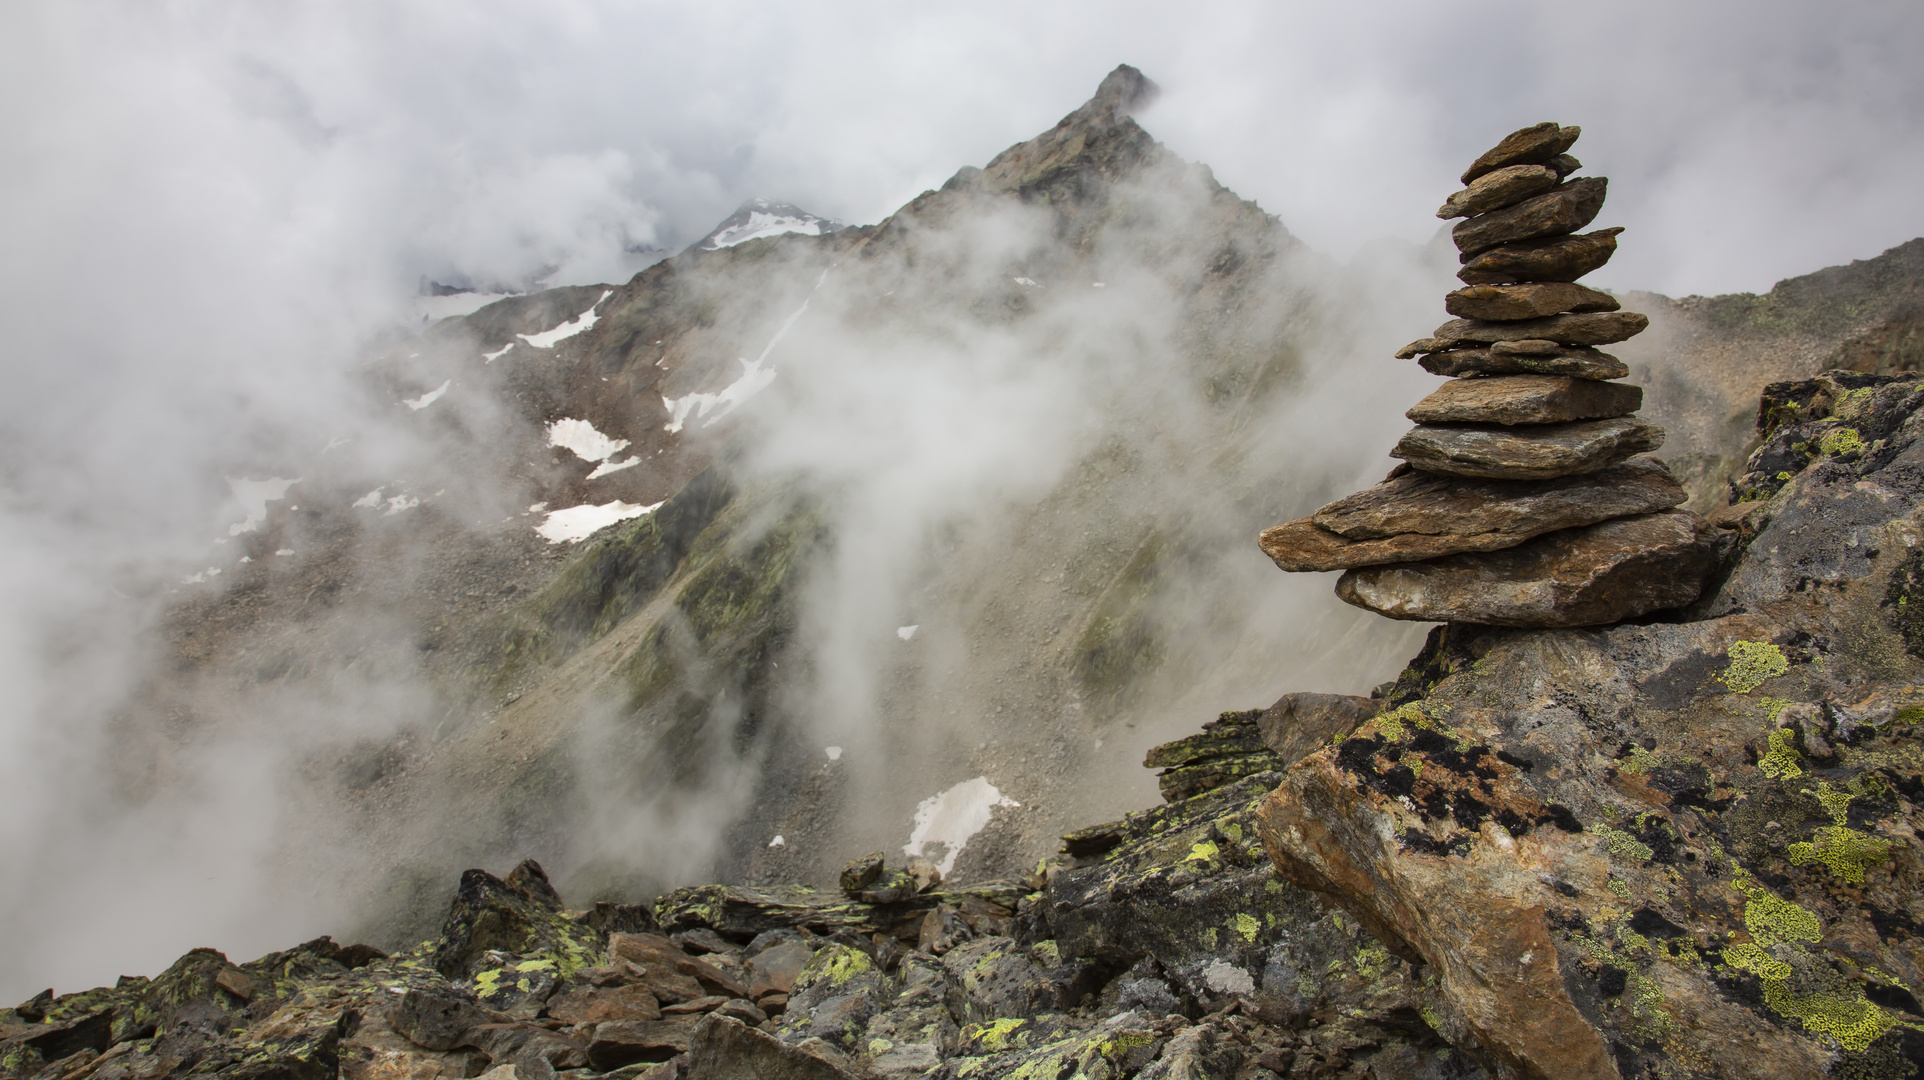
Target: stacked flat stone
[1522,500]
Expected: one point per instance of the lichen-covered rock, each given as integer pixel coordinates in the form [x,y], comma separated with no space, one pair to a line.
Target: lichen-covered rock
[992,979]
[834,997]
[511,938]
[722,1048]
[1300,722]
[1227,749]
[1685,846]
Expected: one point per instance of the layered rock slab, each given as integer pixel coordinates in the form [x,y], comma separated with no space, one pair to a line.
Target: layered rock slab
[1492,191]
[1527,300]
[1425,516]
[1562,210]
[1536,144]
[1577,363]
[1564,258]
[1590,576]
[1539,452]
[1526,399]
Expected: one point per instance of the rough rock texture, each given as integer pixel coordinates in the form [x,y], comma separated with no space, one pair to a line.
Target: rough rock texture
[1597,328]
[1578,363]
[1563,210]
[1301,722]
[1683,848]
[1421,515]
[1228,748]
[1495,190]
[1531,453]
[1526,301]
[1538,143]
[1603,573]
[1565,258]
[1526,399]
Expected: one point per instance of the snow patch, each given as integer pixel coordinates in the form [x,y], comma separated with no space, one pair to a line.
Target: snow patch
[754,379]
[834,753]
[907,632]
[950,818]
[612,466]
[254,495]
[368,501]
[399,503]
[284,551]
[204,575]
[581,437]
[778,841]
[580,522]
[759,225]
[429,398]
[1030,282]
[548,338]
[491,357]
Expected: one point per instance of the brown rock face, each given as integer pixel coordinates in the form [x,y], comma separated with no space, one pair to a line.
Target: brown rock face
[1598,574]
[1300,723]
[1565,258]
[1576,363]
[1526,301]
[1419,502]
[1423,515]
[1498,189]
[1562,210]
[1537,144]
[594,1005]
[1594,328]
[1526,399]
[1528,453]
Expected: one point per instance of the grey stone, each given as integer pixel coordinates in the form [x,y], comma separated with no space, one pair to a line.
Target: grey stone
[992,979]
[1592,576]
[1299,723]
[1578,363]
[1526,399]
[437,1021]
[623,1042]
[1538,143]
[1564,209]
[1563,258]
[724,1048]
[1532,300]
[1536,452]
[1591,328]
[1498,189]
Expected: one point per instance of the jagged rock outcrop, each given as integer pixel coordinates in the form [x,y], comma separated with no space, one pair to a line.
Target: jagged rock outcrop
[1530,401]
[1683,848]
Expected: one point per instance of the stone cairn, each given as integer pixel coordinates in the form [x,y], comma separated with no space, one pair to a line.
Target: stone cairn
[1520,500]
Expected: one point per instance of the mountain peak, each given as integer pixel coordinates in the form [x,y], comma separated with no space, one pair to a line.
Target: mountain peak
[1123,91]
[759,217]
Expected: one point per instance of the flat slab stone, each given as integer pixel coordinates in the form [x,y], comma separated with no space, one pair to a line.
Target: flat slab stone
[1563,258]
[1422,515]
[1577,363]
[1532,300]
[1536,144]
[1496,190]
[1591,576]
[1590,328]
[1526,399]
[1563,209]
[1537,452]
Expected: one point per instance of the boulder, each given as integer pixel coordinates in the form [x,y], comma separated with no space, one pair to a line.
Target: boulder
[1299,723]
[724,1048]
[624,1042]
[860,873]
[1498,189]
[1526,399]
[1590,328]
[1577,363]
[1538,452]
[1530,300]
[594,1005]
[1536,144]
[658,957]
[1564,209]
[1304,547]
[437,1021]
[991,979]
[1603,573]
[1562,258]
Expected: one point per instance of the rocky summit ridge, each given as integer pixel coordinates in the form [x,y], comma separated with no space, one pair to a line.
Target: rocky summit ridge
[1520,501]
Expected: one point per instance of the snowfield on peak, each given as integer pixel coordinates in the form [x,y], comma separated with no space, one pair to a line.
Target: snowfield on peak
[759,218]
[547,339]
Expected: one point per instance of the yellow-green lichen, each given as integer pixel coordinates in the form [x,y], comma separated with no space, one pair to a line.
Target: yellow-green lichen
[1772,920]
[1202,852]
[1622,843]
[1638,761]
[1246,925]
[1847,852]
[1852,1020]
[993,1035]
[839,964]
[1752,958]
[1751,663]
[1841,441]
[1782,761]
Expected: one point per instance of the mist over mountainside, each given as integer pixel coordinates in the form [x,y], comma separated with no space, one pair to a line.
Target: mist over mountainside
[779,539]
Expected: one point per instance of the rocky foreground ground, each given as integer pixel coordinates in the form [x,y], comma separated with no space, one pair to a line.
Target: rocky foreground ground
[1684,847]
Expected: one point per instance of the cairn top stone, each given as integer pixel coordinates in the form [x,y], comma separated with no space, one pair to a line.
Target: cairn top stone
[1536,144]
[1577,363]
[1533,452]
[1561,258]
[1603,573]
